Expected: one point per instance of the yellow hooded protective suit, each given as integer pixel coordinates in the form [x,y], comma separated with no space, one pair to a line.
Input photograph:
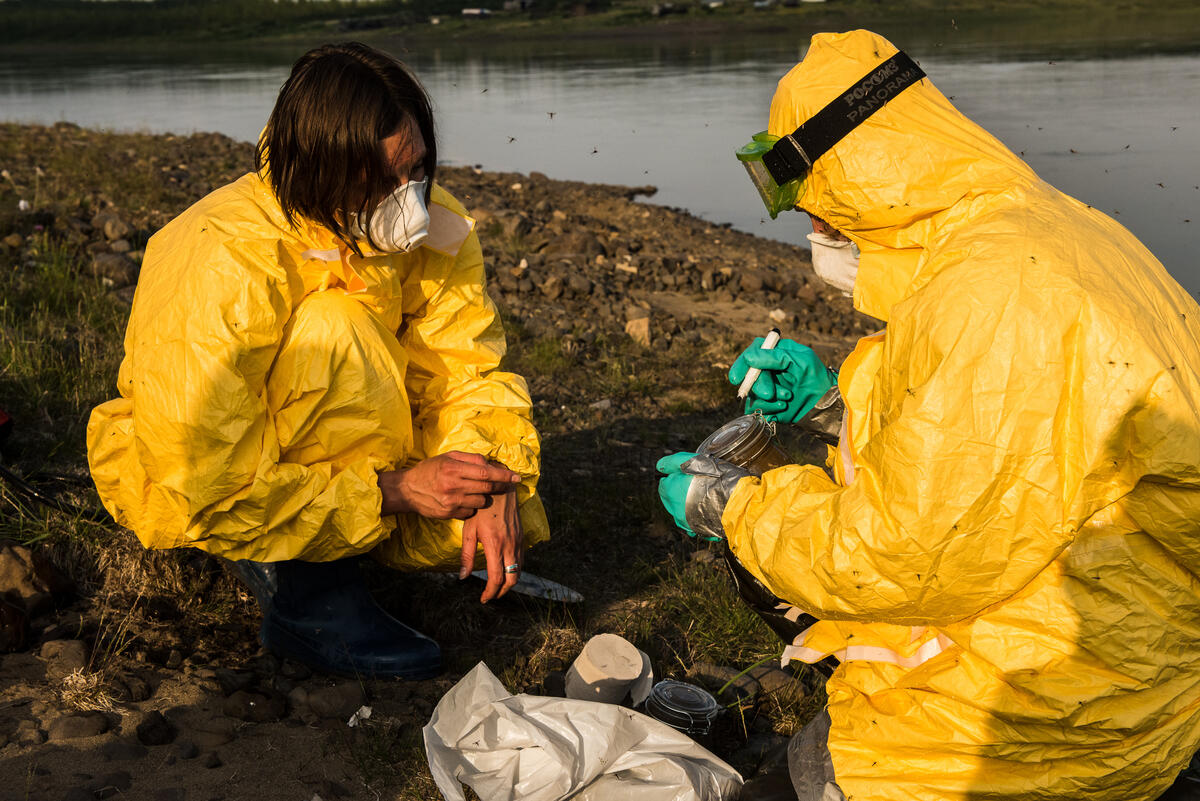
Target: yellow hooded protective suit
[270,373]
[1006,559]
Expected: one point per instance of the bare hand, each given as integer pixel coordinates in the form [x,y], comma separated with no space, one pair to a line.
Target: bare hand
[449,485]
[498,528]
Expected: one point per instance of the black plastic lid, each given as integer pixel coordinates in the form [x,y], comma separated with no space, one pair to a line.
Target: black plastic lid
[683,706]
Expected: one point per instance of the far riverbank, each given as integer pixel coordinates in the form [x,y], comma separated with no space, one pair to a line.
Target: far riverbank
[1169,24]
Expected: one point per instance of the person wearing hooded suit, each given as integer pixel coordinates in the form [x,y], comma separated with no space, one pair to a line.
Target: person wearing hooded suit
[312,374]
[1003,549]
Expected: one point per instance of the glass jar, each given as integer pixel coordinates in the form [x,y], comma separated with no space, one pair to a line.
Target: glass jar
[748,442]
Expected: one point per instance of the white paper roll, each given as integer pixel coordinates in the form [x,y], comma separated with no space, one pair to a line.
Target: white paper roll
[608,669]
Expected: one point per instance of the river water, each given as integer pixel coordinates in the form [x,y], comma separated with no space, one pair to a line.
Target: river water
[1109,114]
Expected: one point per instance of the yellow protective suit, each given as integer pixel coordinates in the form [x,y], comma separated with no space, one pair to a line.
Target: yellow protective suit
[1006,562]
[269,374]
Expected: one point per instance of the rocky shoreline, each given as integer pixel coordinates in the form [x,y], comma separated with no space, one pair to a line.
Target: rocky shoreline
[565,258]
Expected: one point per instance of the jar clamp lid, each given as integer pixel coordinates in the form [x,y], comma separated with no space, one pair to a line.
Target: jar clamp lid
[682,706]
[741,440]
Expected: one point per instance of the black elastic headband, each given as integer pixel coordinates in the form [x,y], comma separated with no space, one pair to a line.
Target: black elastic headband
[793,155]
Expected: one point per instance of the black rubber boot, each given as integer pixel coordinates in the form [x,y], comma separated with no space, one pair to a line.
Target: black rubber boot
[320,614]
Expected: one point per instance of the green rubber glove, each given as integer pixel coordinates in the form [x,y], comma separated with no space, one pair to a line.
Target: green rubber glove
[673,488]
[793,379]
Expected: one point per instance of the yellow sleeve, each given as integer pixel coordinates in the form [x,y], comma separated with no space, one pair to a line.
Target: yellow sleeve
[188,456]
[461,400]
[958,497]
[455,341]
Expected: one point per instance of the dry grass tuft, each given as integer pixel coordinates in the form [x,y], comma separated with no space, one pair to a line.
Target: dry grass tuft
[789,711]
[129,571]
[557,648]
[86,692]
[118,627]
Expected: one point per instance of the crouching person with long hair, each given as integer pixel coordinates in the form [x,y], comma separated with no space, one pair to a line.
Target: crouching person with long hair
[310,375]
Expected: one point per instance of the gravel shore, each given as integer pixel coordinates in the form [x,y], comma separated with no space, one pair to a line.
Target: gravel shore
[564,257]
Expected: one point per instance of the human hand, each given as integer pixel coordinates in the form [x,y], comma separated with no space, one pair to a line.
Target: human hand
[450,485]
[498,528]
[793,379]
[673,488]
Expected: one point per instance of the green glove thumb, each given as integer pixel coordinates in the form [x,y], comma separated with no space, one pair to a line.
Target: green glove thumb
[673,463]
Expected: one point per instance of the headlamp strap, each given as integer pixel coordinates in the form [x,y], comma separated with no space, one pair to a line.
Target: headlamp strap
[793,155]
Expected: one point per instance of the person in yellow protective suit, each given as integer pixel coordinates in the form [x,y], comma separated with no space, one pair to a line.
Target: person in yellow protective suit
[310,375]
[1004,551]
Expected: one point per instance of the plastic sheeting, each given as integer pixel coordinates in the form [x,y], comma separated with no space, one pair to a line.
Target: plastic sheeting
[533,748]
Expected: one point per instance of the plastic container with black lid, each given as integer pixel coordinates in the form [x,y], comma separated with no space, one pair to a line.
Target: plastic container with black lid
[682,706]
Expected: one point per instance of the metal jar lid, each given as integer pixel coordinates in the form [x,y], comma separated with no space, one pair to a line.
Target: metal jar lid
[740,440]
[682,706]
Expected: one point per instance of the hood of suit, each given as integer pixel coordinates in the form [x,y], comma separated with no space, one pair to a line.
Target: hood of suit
[901,180]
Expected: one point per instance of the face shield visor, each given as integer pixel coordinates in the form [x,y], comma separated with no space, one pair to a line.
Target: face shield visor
[778,166]
[775,197]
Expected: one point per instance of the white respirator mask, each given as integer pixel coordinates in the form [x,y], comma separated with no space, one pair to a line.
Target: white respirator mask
[835,261]
[400,222]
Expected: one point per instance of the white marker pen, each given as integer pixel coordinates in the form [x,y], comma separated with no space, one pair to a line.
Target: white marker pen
[769,342]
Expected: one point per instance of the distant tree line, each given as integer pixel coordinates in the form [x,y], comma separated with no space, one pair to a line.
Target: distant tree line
[81,20]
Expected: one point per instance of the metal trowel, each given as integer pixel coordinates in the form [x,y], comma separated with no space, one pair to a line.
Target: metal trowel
[538,587]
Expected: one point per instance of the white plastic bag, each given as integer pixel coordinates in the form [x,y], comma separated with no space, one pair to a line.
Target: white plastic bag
[533,748]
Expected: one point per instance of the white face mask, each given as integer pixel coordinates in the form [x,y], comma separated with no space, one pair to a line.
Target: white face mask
[835,261]
[400,221]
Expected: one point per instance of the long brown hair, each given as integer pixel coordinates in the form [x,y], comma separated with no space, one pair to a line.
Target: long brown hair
[322,149]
